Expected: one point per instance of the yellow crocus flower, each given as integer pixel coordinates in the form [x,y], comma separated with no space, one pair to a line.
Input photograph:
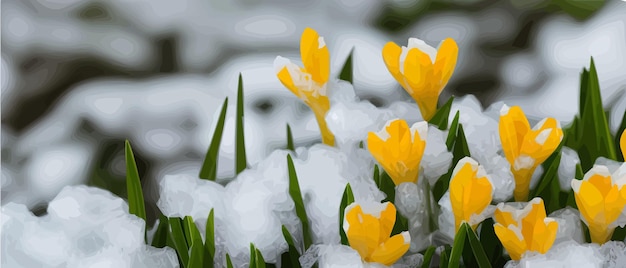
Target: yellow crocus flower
[422,70]
[309,83]
[526,148]
[470,192]
[368,233]
[525,230]
[601,198]
[399,149]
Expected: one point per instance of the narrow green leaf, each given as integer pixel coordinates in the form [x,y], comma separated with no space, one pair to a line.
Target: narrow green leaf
[196,260]
[252,256]
[361,145]
[490,242]
[136,204]
[401,224]
[188,229]
[209,245]
[457,248]
[240,146]
[377,176]
[209,166]
[452,132]
[444,258]
[440,119]
[388,187]
[293,253]
[596,135]
[618,135]
[160,236]
[346,200]
[296,195]
[461,149]
[180,243]
[260,261]
[428,255]
[346,71]
[477,248]
[229,264]
[290,145]
[551,167]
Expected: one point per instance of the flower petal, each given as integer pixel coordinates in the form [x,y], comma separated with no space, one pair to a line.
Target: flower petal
[446,61]
[513,127]
[391,250]
[315,56]
[362,230]
[511,240]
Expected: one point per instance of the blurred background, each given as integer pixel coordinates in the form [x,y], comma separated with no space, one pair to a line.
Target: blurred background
[81,76]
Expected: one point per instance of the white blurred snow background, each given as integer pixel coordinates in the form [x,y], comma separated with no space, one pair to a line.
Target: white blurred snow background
[80,76]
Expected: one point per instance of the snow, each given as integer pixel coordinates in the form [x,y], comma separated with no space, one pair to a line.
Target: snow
[84,225]
[570,225]
[436,160]
[567,168]
[567,254]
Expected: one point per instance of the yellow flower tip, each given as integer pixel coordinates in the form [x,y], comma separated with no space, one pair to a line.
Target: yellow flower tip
[368,227]
[523,230]
[622,143]
[470,192]
[422,70]
[601,199]
[526,148]
[399,149]
[309,83]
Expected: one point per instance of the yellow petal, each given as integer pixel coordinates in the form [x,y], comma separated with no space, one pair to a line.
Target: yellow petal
[362,231]
[387,220]
[590,202]
[418,72]
[513,127]
[545,236]
[391,56]
[469,195]
[446,61]
[504,217]
[541,143]
[287,81]
[391,250]
[511,240]
[315,56]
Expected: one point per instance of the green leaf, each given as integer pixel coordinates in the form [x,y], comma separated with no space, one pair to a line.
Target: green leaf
[260,261]
[361,145]
[388,187]
[580,10]
[377,176]
[196,260]
[551,167]
[428,255]
[252,256]
[618,135]
[290,145]
[596,140]
[229,264]
[294,255]
[346,200]
[490,243]
[453,131]
[240,146]
[209,166]
[136,204]
[477,248]
[460,145]
[457,248]
[209,245]
[296,195]
[346,71]
[178,237]
[440,119]
[444,259]
[190,229]
[160,236]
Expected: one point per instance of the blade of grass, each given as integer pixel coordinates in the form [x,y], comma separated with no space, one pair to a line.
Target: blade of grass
[296,195]
[252,256]
[428,255]
[240,146]
[347,199]
[260,261]
[346,71]
[196,260]
[209,245]
[453,131]
[294,255]
[444,258]
[440,119]
[457,248]
[229,264]
[477,248]
[178,237]
[160,236]
[290,145]
[136,205]
[209,166]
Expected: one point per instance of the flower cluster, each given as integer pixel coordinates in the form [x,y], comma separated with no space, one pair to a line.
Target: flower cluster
[423,71]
